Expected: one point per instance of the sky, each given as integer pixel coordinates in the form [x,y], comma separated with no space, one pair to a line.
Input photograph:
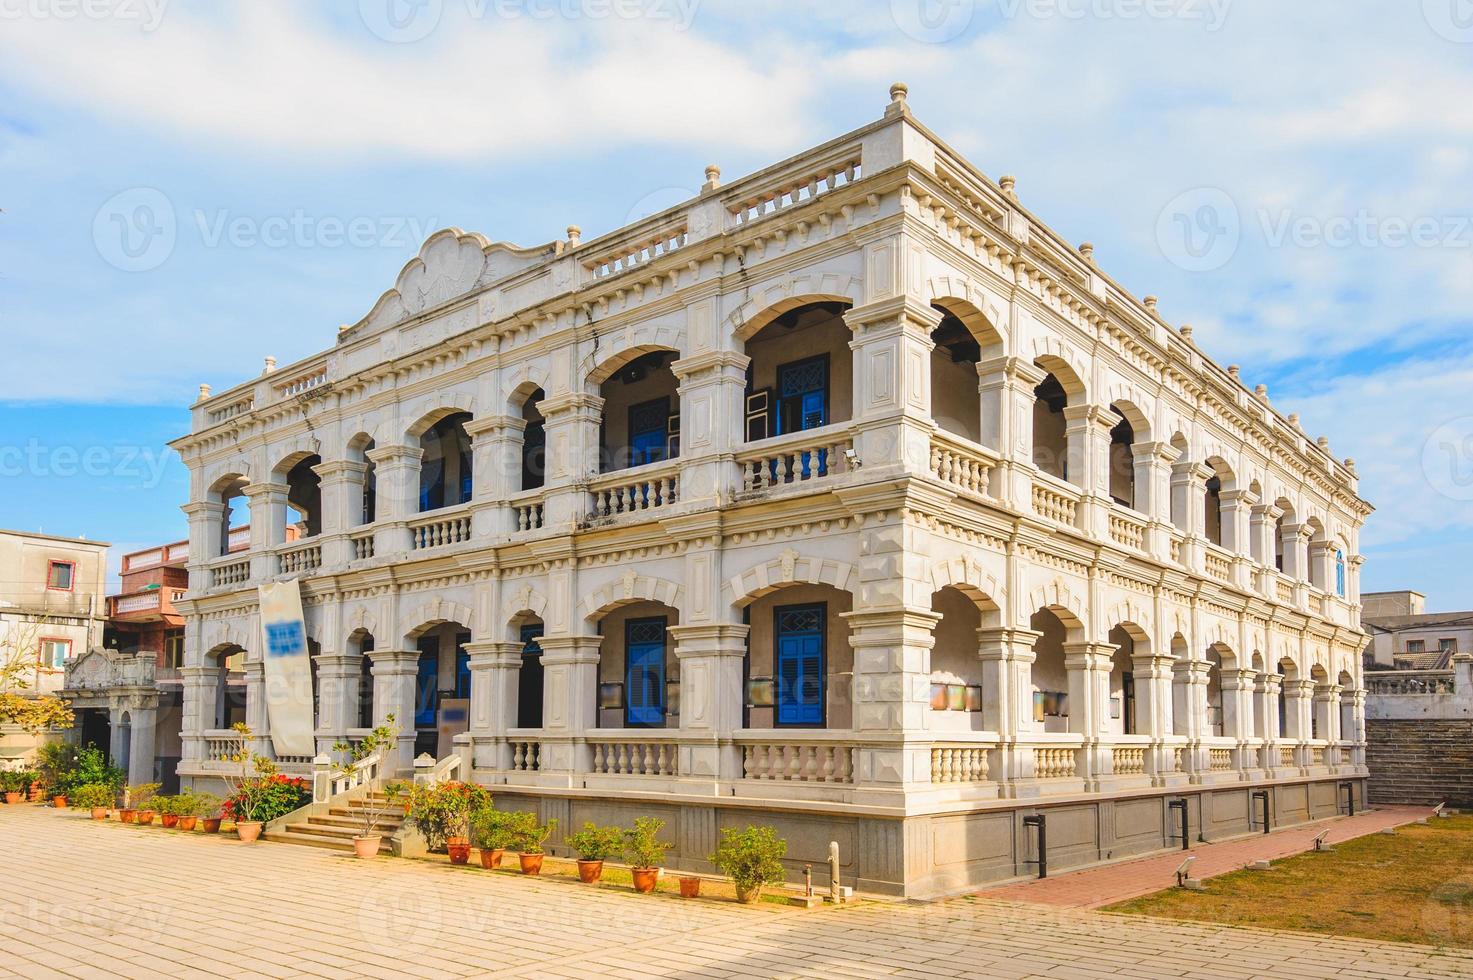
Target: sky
[189,187]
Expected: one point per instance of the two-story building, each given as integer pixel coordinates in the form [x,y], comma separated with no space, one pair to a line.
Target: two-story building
[845,497]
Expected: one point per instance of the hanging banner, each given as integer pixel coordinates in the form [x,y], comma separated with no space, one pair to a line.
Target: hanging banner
[288,670]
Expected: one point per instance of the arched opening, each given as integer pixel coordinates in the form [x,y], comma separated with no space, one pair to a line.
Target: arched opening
[1212,507]
[956,399]
[1050,673]
[360,642]
[801,371]
[1122,461]
[1340,572]
[445,463]
[442,687]
[1319,547]
[800,664]
[638,673]
[303,518]
[233,532]
[641,412]
[1215,723]
[1285,535]
[530,676]
[1180,477]
[1181,699]
[230,690]
[534,441]
[956,670]
[1050,429]
[1320,705]
[1124,716]
[1288,720]
[358,449]
[1347,707]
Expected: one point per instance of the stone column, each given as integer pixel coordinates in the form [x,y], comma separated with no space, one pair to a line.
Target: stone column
[268,525]
[569,701]
[892,384]
[1087,429]
[892,692]
[1088,667]
[197,713]
[1326,708]
[396,470]
[711,657]
[337,697]
[1007,385]
[1238,687]
[394,675]
[1358,714]
[495,672]
[258,720]
[142,734]
[496,471]
[1262,526]
[1188,490]
[1153,493]
[1189,707]
[571,422]
[1267,690]
[1296,551]
[1236,508]
[342,507]
[1007,699]
[206,530]
[712,391]
[1299,698]
[1153,693]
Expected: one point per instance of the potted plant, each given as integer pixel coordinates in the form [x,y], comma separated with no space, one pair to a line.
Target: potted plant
[140,798]
[491,834]
[595,845]
[207,809]
[96,797]
[373,807]
[259,794]
[690,886]
[752,858]
[645,852]
[88,766]
[55,761]
[441,812]
[186,811]
[11,787]
[527,837]
[167,808]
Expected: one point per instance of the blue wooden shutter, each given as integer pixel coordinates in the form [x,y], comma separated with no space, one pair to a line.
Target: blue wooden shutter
[644,672]
[800,664]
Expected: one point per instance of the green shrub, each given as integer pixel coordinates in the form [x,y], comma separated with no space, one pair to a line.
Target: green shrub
[93,795]
[56,760]
[491,829]
[441,811]
[527,835]
[751,858]
[595,843]
[204,805]
[140,795]
[92,767]
[642,846]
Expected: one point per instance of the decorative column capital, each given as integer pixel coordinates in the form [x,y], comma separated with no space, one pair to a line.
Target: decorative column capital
[558,650]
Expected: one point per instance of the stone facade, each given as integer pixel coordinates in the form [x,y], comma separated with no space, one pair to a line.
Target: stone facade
[845,497]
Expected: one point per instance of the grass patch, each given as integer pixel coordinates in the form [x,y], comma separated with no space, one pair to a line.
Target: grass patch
[1415,887]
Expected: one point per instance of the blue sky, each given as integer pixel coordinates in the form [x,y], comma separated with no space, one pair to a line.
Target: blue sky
[1294,180]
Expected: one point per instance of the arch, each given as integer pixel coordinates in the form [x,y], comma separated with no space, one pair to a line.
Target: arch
[234,475]
[299,453]
[524,603]
[629,588]
[596,368]
[1061,360]
[952,298]
[775,299]
[1126,401]
[1057,598]
[445,407]
[790,568]
[970,578]
[521,382]
[1135,619]
[436,612]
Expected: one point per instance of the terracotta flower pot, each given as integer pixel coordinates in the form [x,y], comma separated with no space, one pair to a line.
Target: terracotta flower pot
[749,895]
[491,858]
[645,878]
[59,802]
[367,847]
[589,872]
[145,817]
[459,849]
[169,820]
[99,813]
[690,887]
[12,797]
[187,823]
[36,792]
[127,816]
[211,825]
[531,863]
[246,830]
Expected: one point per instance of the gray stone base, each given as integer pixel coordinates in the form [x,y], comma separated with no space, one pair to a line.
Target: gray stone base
[934,855]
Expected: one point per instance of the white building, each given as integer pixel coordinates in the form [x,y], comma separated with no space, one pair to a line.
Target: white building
[846,497]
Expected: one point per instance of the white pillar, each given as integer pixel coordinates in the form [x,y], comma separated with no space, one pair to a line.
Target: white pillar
[1088,668]
[1153,693]
[711,697]
[569,699]
[1087,430]
[396,470]
[394,675]
[1007,385]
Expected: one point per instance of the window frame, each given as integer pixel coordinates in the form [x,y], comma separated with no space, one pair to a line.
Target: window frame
[41,661]
[628,678]
[823,666]
[52,565]
[663,429]
[780,401]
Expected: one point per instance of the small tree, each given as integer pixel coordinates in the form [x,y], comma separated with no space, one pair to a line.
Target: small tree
[595,843]
[752,858]
[373,807]
[527,835]
[491,829]
[642,846]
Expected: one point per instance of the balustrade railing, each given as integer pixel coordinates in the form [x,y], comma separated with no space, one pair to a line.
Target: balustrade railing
[302,558]
[627,493]
[1410,682]
[961,464]
[437,532]
[792,191]
[363,547]
[1055,502]
[798,458]
[1217,565]
[234,573]
[1128,531]
[1286,755]
[222,747]
[1054,762]
[1219,760]
[959,763]
[634,758]
[526,756]
[799,762]
[530,515]
[1128,760]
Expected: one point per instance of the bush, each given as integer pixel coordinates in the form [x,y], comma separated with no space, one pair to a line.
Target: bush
[527,835]
[140,795]
[751,858]
[204,805]
[642,847]
[93,795]
[56,760]
[91,767]
[443,810]
[175,806]
[595,843]
[265,798]
[491,829]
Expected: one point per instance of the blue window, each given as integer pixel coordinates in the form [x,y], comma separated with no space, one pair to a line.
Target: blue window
[427,683]
[649,424]
[1340,574]
[644,672]
[799,634]
[803,395]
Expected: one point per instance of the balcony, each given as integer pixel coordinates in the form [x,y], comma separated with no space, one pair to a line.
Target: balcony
[152,604]
[795,463]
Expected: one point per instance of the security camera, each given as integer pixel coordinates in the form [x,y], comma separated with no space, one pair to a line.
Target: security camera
[852,458]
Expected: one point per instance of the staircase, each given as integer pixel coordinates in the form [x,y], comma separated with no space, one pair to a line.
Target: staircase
[336,825]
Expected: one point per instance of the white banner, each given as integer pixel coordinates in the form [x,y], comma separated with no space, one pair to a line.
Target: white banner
[288,673]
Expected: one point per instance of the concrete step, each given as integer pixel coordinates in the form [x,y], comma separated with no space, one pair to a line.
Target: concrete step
[385,827]
[291,836]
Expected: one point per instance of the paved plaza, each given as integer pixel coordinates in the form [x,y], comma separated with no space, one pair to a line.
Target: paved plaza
[84,899]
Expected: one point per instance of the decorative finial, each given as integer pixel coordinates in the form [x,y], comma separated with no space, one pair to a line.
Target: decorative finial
[898,93]
[1323,442]
[1087,249]
[270,364]
[1350,463]
[1233,371]
[1293,418]
[1261,391]
[204,392]
[575,234]
[1008,183]
[1186,328]
[1151,302]
[713,177]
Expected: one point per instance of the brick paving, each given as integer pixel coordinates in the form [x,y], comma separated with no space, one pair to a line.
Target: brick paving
[1105,885]
[84,899]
